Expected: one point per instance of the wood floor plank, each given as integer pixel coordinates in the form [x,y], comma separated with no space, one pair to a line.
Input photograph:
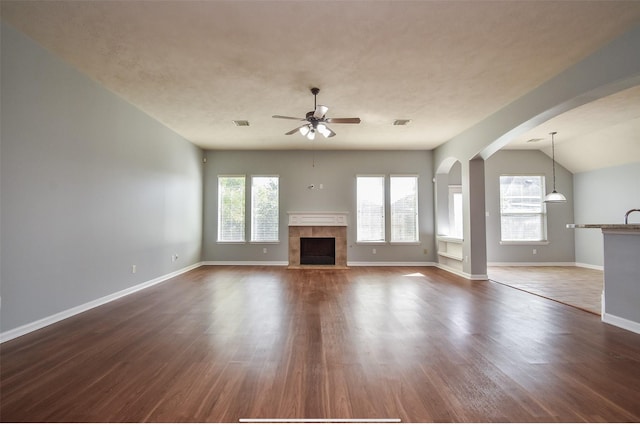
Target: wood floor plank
[223,343]
[575,286]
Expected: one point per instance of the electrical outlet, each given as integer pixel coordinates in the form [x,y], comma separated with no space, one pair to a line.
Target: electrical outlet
[264,250]
[373,251]
[133,268]
[535,251]
[426,251]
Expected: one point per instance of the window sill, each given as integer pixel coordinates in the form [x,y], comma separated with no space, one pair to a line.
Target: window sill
[231,242]
[405,243]
[265,242]
[453,239]
[371,242]
[524,242]
[452,256]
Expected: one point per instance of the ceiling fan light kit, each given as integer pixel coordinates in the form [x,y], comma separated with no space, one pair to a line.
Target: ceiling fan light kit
[317,121]
[554,197]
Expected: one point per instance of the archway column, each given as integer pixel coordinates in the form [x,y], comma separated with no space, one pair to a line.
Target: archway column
[475,236]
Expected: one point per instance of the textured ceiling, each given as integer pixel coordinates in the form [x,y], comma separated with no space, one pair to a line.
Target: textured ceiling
[198,65]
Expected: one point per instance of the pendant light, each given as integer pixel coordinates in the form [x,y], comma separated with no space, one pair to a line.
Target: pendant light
[554,197]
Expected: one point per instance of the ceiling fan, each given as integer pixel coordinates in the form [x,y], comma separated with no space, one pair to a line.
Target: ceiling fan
[316,120]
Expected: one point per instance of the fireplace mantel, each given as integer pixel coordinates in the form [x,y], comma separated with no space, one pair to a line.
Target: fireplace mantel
[317,218]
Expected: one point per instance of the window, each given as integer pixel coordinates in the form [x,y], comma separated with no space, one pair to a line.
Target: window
[522,212]
[404,208]
[264,209]
[370,206]
[455,211]
[231,201]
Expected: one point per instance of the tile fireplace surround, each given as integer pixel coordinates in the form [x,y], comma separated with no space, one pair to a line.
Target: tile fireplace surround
[317,225]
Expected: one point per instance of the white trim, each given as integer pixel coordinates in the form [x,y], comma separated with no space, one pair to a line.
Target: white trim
[531,264]
[524,242]
[461,273]
[245,263]
[447,255]
[451,239]
[46,321]
[590,266]
[621,322]
[390,264]
[317,218]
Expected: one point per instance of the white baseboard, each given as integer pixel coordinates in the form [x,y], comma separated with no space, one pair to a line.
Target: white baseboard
[552,264]
[349,264]
[245,263]
[621,322]
[590,266]
[390,264]
[531,264]
[39,324]
[461,273]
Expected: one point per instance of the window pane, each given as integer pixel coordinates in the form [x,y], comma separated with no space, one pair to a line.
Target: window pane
[264,209]
[457,215]
[521,194]
[455,212]
[231,209]
[404,208]
[522,213]
[370,205]
[522,227]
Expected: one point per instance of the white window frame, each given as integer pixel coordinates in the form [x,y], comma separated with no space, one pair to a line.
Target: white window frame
[455,189]
[542,214]
[254,238]
[359,217]
[220,211]
[394,239]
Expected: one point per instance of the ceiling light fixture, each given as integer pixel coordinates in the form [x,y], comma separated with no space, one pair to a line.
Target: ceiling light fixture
[316,120]
[554,197]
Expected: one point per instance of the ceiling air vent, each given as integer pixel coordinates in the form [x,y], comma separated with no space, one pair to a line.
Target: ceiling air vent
[401,122]
[241,123]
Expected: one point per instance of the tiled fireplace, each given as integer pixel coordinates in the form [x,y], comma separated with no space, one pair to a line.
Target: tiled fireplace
[321,225]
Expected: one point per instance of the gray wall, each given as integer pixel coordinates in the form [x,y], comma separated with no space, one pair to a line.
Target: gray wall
[602,197]
[561,243]
[336,171]
[90,186]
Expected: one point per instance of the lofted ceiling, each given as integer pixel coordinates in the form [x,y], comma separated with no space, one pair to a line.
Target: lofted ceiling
[196,66]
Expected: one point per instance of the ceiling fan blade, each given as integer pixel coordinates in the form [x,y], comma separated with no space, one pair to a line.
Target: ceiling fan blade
[343,120]
[295,130]
[288,118]
[320,111]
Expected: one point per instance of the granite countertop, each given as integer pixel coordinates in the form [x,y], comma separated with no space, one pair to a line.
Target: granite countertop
[633,226]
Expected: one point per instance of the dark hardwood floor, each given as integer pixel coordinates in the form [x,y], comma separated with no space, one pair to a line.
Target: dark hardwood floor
[219,344]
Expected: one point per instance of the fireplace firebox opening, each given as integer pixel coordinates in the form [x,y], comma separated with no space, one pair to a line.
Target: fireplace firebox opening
[318,251]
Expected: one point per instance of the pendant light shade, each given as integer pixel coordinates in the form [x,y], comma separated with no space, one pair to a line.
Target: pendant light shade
[554,197]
